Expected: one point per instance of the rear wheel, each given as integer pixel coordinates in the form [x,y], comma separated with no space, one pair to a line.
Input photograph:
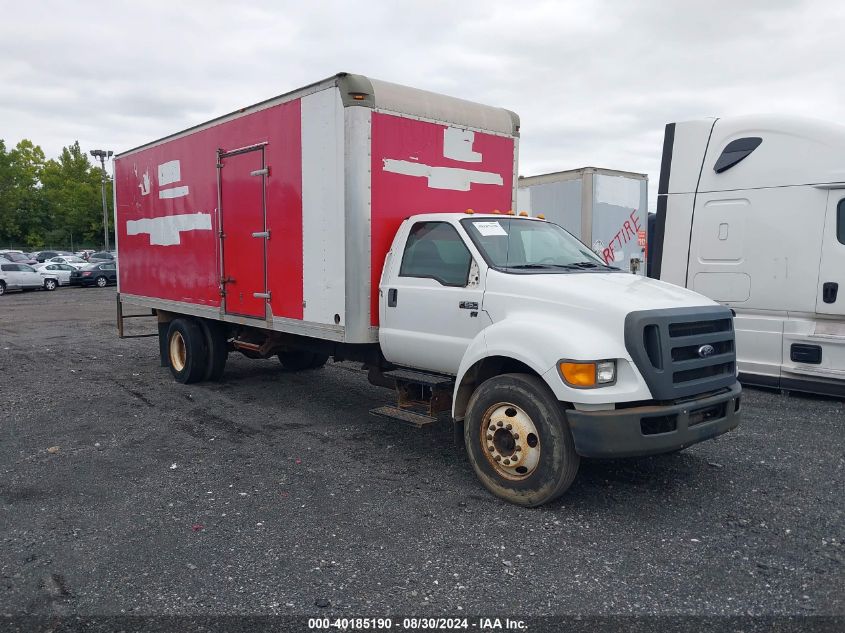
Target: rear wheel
[186,351]
[2,288]
[50,284]
[102,282]
[518,440]
[297,360]
[216,344]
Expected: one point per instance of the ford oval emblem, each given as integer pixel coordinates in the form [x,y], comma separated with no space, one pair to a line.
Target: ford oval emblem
[706,351]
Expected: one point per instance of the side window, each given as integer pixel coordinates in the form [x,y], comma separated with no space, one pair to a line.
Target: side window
[435,250]
[8,268]
[736,151]
[840,221]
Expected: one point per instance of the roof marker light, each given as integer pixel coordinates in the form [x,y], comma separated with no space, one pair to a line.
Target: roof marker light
[540,216]
[523,214]
[469,211]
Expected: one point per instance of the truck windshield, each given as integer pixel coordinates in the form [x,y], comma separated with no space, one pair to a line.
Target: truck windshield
[516,244]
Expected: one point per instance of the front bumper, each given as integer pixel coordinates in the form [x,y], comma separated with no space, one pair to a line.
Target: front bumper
[650,430]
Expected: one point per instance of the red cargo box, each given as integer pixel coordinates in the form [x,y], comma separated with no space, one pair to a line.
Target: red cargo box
[280,215]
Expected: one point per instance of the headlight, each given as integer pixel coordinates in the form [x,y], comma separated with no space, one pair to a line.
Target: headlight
[587,375]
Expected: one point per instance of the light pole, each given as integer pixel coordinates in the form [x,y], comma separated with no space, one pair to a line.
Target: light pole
[103,155]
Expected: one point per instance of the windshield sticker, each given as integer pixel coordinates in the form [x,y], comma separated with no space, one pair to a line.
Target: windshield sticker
[490,228]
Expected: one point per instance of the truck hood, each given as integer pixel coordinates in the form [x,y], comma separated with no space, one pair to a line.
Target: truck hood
[608,294]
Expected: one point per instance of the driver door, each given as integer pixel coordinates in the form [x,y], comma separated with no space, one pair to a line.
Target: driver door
[430,300]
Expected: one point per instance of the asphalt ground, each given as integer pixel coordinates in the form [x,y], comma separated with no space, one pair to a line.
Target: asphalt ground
[273,492]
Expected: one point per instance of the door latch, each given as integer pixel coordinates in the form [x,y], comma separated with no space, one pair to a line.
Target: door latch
[261,295]
[264,234]
[829,291]
[392,297]
[468,305]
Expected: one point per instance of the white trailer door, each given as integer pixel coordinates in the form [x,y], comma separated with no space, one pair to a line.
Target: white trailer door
[430,308]
[831,292]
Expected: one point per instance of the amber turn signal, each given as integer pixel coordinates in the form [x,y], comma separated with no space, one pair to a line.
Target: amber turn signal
[578,374]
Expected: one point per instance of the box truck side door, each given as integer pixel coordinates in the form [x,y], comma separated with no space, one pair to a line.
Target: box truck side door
[831,291]
[245,232]
[430,300]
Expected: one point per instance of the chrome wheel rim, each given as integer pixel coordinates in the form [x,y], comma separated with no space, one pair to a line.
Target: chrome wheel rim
[101,282]
[510,441]
[178,352]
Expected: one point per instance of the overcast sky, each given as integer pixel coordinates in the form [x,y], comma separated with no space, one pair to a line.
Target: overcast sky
[593,82]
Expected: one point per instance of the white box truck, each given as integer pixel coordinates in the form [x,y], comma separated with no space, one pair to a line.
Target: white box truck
[604,208]
[334,221]
[751,213]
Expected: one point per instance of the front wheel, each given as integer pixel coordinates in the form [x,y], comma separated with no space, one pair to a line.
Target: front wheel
[2,288]
[518,440]
[50,284]
[102,282]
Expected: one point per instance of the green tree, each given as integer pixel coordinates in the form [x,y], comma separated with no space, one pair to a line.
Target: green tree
[72,190]
[22,208]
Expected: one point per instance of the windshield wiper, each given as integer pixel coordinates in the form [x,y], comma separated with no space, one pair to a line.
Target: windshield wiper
[535,266]
[589,264]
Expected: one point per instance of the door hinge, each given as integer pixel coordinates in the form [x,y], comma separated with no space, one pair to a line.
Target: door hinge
[221,235]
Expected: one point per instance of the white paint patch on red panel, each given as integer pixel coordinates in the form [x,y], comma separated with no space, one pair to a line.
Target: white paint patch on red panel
[454,178]
[166,230]
[457,145]
[323,231]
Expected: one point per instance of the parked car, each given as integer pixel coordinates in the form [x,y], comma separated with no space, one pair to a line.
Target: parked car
[85,253]
[73,260]
[58,270]
[101,274]
[24,277]
[18,257]
[43,256]
[101,256]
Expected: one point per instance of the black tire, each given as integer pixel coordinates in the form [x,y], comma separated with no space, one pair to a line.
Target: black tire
[216,344]
[555,462]
[297,360]
[50,284]
[101,282]
[2,288]
[187,353]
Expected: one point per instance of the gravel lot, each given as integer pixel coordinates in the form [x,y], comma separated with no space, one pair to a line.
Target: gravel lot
[272,490]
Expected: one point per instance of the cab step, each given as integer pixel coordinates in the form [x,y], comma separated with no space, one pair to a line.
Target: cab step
[415,377]
[416,420]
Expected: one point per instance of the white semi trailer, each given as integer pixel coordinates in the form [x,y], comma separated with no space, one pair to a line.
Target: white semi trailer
[604,208]
[751,213]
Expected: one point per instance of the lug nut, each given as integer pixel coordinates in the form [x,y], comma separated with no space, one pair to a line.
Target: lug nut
[491,448]
[498,458]
[490,436]
[499,423]
[516,436]
[509,427]
[507,462]
[518,448]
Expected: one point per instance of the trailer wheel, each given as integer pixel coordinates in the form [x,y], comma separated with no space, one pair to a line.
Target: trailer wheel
[518,440]
[297,360]
[186,351]
[216,344]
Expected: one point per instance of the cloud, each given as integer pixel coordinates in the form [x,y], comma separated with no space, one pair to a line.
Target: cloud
[594,83]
